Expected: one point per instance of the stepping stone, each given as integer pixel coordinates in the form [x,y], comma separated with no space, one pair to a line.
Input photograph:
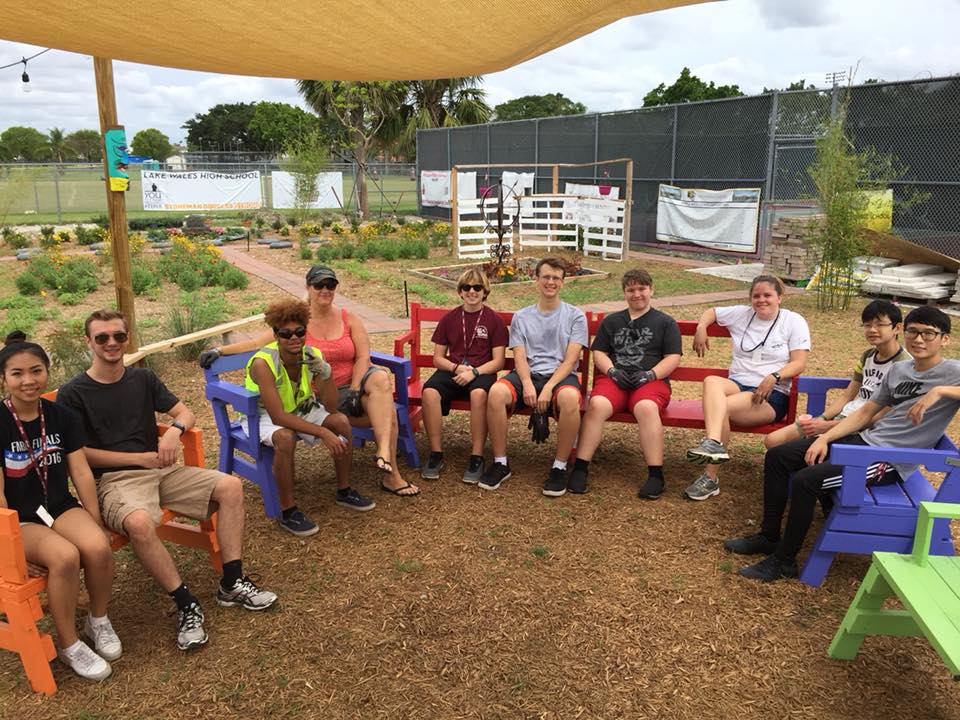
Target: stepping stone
[280,244]
[265,241]
[27,253]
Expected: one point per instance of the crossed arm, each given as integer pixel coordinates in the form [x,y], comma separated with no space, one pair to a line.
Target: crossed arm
[522,367]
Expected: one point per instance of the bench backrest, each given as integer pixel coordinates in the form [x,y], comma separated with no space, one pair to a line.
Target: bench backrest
[13,564]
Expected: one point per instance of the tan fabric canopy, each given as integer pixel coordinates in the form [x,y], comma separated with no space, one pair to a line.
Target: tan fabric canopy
[318,39]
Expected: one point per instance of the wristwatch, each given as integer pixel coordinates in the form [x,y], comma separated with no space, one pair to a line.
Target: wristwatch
[476,373]
[179,426]
[776,375]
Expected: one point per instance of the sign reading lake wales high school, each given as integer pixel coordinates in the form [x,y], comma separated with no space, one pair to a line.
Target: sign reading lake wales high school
[201,190]
[718,219]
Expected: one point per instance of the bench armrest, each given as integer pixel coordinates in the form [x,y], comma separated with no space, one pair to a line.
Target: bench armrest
[242,400]
[401,369]
[921,538]
[816,388]
[406,339]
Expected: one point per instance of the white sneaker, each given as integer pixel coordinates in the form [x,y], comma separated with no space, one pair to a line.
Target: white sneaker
[85,662]
[104,639]
[191,633]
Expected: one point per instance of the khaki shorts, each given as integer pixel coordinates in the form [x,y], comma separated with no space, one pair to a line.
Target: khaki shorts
[184,489]
[316,416]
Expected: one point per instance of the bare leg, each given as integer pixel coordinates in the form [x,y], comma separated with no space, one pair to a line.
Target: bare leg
[715,392]
[498,401]
[478,421]
[338,423]
[153,556]
[378,406]
[96,555]
[284,443]
[433,418]
[742,411]
[43,546]
[568,421]
[650,429]
[228,494]
[591,427]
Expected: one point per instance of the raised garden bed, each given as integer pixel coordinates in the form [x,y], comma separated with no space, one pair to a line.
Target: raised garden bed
[514,273]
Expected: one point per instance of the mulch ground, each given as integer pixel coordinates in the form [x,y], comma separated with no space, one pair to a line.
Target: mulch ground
[506,604]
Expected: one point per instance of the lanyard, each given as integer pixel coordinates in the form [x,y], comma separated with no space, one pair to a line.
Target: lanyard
[763,342]
[40,467]
[463,324]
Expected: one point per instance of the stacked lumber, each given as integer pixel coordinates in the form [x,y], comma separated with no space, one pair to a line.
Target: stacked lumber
[956,290]
[789,252]
[921,281]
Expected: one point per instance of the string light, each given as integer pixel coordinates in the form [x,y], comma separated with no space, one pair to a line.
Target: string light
[24,77]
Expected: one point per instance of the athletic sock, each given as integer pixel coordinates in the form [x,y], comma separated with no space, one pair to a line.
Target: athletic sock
[285,514]
[580,464]
[72,650]
[97,621]
[655,471]
[560,464]
[183,597]
[502,460]
[232,571]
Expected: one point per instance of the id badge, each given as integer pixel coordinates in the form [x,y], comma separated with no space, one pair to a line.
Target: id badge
[757,355]
[45,516]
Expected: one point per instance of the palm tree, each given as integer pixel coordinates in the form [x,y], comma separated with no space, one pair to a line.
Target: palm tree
[446,102]
[57,140]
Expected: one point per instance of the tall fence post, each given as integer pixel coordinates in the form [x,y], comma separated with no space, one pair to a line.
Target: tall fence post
[536,155]
[56,190]
[596,146]
[673,148]
[768,186]
[36,196]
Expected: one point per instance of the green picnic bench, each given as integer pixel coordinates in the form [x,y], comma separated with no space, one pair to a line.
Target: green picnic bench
[928,586]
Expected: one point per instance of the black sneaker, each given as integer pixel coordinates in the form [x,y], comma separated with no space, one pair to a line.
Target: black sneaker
[755,544]
[556,484]
[652,489]
[474,471]
[769,569]
[495,474]
[431,471]
[578,482]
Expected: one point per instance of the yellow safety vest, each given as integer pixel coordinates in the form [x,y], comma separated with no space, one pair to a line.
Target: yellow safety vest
[290,399]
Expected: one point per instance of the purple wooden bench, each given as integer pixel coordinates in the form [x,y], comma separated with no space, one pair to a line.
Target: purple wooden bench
[868,518]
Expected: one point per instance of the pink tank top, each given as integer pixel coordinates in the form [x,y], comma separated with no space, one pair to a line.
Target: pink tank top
[340,353]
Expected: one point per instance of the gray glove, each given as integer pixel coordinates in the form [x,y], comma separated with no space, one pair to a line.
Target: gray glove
[208,357]
[620,377]
[317,365]
[639,378]
[352,405]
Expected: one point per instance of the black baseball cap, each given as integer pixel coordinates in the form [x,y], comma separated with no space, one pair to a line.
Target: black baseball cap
[321,272]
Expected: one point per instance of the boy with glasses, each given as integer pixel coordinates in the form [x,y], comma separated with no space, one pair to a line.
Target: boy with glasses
[546,339]
[470,344]
[137,474]
[881,321]
[285,374]
[922,395]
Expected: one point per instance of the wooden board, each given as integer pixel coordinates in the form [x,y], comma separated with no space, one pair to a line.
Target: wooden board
[893,246]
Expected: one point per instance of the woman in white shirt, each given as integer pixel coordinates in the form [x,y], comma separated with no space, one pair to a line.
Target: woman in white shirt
[770,348]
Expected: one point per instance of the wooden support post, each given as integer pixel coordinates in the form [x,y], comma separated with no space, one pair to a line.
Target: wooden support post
[556,180]
[627,208]
[454,211]
[116,201]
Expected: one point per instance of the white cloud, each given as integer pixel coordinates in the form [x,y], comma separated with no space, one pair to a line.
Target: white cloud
[789,14]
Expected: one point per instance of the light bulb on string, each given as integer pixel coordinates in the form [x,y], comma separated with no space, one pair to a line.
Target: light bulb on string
[25,79]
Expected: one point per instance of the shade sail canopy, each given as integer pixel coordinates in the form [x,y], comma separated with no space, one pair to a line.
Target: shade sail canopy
[318,39]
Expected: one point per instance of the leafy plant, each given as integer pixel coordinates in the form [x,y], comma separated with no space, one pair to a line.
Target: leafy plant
[68,352]
[47,236]
[143,279]
[64,236]
[285,231]
[16,240]
[277,224]
[28,284]
[195,311]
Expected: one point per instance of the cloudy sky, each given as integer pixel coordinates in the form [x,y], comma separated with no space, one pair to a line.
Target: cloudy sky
[751,43]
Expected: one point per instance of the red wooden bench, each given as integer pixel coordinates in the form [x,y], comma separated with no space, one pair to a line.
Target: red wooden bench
[416,346]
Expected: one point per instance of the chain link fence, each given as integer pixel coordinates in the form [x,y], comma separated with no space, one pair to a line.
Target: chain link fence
[74,192]
[764,141]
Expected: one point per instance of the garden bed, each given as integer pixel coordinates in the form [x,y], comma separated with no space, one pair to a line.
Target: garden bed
[515,272]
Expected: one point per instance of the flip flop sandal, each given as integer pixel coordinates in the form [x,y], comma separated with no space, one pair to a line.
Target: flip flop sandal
[399,491]
[383,465]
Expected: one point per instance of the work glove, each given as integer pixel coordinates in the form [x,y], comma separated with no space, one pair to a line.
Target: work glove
[352,405]
[539,426]
[208,357]
[620,377]
[318,366]
[639,378]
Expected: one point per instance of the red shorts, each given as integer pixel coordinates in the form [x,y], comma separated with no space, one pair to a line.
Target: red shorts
[626,400]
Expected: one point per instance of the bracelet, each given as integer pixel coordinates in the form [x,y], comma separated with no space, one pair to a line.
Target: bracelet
[476,373]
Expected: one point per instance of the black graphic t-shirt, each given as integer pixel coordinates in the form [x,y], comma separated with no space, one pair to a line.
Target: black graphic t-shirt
[641,343]
[21,484]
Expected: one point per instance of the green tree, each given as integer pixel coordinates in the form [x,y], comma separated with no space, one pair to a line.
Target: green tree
[23,144]
[360,110]
[446,102]
[306,156]
[85,145]
[688,88]
[59,150]
[223,127]
[275,125]
[800,84]
[538,106]
[152,143]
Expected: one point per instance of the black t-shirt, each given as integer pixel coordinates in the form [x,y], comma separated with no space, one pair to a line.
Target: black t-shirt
[639,344]
[119,416]
[21,484]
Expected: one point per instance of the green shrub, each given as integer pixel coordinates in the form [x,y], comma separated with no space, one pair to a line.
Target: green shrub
[28,284]
[21,318]
[285,231]
[68,352]
[47,236]
[89,236]
[346,250]
[64,236]
[388,250]
[292,221]
[195,311]
[326,222]
[354,224]
[308,229]
[324,254]
[276,224]
[156,234]
[143,279]
[71,298]
[77,275]
[305,252]
[234,278]
[16,240]
[190,280]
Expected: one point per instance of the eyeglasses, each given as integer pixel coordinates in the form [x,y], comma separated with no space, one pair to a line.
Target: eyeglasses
[287,333]
[927,335]
[325,284]
[104,338]
[475,288]
[875,325]
[553,278]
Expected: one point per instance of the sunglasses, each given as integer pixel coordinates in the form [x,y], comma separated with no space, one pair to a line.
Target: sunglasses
[104,338]
[475,288]
[325,284]
[287,333]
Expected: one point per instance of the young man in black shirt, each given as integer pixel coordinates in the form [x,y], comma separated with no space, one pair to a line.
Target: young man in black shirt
[137,474]
[634,352]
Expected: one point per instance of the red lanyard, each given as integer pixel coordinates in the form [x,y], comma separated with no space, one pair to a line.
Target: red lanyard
[463,323]
[39,466]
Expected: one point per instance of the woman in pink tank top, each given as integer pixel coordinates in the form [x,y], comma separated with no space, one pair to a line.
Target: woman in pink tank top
[366,395]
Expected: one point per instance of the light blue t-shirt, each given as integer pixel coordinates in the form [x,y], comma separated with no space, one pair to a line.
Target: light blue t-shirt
[545,336]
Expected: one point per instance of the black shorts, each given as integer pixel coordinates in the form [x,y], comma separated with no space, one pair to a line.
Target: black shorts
[56,510]
[442,381]
[512,380]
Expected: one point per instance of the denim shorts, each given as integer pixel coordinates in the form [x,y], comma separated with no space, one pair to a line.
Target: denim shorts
[777,400]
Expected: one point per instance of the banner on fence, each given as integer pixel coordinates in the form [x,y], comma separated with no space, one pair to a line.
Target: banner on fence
[718,219]
[201,190]
[435,187]
[328,192]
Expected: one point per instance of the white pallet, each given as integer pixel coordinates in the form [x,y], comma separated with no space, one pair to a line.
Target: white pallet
[914,270]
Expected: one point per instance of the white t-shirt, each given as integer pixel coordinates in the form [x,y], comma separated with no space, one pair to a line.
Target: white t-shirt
[757,354]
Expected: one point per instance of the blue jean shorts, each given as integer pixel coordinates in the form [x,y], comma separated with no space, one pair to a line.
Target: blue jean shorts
[776,399]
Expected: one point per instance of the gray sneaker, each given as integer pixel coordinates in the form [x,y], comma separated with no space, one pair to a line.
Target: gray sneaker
[708,451]
[474,470]
[191,634]
[702,488]
[431,471]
